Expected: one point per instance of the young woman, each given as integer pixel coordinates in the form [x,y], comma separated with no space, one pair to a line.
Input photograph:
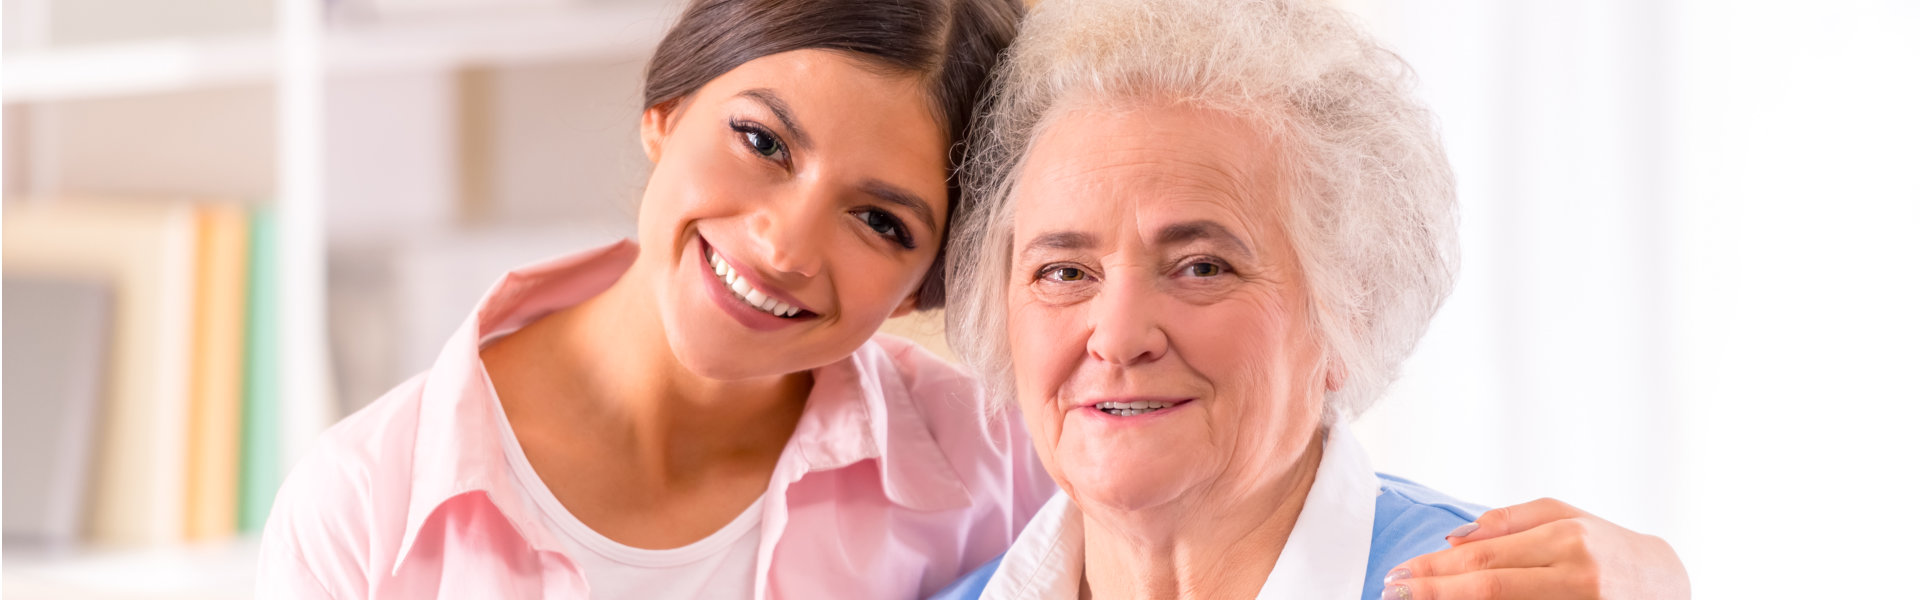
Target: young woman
[704,412]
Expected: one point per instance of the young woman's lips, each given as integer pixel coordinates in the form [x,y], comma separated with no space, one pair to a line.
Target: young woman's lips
[738,308]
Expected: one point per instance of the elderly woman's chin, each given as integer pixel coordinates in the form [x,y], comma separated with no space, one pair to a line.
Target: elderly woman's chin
[1132,463]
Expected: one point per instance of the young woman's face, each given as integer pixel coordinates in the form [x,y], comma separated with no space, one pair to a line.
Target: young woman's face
[795,204]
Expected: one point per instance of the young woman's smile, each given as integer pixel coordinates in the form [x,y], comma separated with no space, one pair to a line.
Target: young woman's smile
[747,297]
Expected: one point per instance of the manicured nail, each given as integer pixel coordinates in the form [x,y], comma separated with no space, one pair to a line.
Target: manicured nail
[1464,530]
[1396,592]
[1398,574]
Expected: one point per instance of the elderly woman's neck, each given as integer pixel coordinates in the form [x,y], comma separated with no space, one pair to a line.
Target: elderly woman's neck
[1218,547]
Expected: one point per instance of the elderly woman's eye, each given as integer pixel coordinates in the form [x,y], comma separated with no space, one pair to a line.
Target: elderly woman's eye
[1065,274]
[1206,269]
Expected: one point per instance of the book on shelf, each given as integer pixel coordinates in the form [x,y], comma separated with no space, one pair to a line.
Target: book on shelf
[146,251]
[219,319]
[260,471]
[56,346]
[188,434]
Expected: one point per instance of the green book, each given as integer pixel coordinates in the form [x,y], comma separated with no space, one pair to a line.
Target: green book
[260,403]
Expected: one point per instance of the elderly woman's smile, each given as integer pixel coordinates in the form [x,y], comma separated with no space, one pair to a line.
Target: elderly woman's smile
[1157,322]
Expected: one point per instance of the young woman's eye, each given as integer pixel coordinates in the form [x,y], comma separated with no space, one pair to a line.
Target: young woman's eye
[887,225]
[760,141]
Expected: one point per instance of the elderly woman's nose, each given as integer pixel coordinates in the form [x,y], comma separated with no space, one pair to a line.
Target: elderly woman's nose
[788,234]
[1126,329]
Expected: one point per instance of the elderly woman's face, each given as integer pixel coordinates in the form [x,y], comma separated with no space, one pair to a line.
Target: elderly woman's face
[1157,312]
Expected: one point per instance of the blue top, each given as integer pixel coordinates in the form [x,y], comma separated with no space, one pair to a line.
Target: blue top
[1409,520]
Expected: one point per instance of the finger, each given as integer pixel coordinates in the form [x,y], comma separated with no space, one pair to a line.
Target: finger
[1537,547]
[1497,584]
[1517,518]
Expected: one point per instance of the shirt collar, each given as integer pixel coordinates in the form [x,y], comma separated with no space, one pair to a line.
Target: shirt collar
[859,408]
[457,449]
[1325,556]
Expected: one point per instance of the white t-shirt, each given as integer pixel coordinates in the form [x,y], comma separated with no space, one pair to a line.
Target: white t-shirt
[718,567]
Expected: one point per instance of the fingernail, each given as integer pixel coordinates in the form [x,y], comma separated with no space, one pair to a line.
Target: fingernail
[1396,592]
[1398,574]
[1464,530]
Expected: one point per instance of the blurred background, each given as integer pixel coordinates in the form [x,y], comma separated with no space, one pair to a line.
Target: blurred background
[1687,301]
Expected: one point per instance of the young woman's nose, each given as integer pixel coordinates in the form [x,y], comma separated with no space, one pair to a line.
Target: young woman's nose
[1126,327]
[789,234]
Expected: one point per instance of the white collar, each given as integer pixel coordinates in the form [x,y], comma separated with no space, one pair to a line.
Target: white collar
[1325,556]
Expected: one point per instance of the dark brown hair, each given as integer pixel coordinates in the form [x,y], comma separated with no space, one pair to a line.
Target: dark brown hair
[954,44]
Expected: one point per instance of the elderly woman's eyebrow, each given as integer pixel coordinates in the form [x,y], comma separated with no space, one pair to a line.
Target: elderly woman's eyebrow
[1202,230]
[1058,240]
[784,113]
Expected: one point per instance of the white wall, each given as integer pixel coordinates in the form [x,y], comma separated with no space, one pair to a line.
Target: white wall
[1691,267]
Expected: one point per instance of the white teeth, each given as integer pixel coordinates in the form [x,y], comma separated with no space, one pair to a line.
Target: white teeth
[746,291]
[1128,409]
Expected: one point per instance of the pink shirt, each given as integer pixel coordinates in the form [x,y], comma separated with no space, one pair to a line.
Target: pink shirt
[893,484]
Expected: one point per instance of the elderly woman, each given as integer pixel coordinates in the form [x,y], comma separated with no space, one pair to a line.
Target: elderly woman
[1210,232]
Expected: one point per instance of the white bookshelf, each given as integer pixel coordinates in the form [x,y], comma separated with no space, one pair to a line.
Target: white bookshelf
[500,36]
[212,571]
[290,70]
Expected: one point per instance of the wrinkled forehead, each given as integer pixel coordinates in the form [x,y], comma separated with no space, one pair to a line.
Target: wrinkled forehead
[1100,166]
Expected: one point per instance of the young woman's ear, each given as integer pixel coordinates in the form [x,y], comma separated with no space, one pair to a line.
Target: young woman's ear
[655,124]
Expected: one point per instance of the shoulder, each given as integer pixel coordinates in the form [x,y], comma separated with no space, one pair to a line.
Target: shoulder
[1409,520]
[980,443]
[339,501]
[988,451]
[945,397]
[355,452]
[1418,502]
[971,585]
[922,370]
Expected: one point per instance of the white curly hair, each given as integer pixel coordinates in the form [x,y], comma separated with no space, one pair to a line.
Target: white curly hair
[1368,195]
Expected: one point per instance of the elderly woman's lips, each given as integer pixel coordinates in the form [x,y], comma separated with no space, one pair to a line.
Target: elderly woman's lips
[1128,408]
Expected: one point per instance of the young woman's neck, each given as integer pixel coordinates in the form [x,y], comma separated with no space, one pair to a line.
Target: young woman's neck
[611,354]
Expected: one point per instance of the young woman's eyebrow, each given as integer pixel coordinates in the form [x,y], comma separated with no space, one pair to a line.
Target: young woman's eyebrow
[894,195]
[782,112]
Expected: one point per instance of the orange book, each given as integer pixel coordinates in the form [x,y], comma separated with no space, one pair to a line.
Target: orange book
[213,404]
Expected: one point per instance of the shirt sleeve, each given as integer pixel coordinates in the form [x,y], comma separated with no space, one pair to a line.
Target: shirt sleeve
[283,573]
[315,542]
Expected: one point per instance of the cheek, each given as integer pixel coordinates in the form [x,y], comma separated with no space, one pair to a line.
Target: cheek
[1044,344]
[696,178]
[1250,351]
[1043,357]
[870,287]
